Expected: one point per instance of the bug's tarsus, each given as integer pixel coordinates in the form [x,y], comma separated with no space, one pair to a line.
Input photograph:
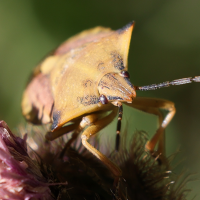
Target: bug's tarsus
[118,128]
[168,83]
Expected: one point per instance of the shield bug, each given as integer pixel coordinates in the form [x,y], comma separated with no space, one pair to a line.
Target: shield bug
[84,78]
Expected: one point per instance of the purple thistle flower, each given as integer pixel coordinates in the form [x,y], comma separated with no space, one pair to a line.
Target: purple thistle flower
[20,176]
[42,174]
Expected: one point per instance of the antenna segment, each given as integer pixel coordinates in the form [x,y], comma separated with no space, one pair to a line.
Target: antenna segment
[168,83]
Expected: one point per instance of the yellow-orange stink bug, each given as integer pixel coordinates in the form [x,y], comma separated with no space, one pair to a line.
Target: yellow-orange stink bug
[75,86]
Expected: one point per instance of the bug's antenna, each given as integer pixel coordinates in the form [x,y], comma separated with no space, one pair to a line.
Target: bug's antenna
[119,127]
[168,83]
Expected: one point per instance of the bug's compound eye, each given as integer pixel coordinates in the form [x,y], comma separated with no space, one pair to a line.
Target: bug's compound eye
[103,99]
[124,73]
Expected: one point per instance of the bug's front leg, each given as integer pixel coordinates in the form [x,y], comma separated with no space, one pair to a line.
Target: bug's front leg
[153,106]
[79,128]
[93,129]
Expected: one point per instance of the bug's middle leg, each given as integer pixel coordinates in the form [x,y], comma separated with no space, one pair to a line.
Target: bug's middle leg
[87,120]
[93,129]
[78,128]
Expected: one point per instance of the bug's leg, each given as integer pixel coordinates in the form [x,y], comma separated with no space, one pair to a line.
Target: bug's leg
[63,130]
[87,120]
[77,126]
[69,142]
[93,129]
[158,113]
[152,106]
[117,142]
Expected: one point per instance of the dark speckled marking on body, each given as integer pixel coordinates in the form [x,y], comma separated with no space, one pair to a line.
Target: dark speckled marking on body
[88,100]
[128,81]
[87,83]
[103,83]
[114,98]
[56,117]
[121,30]
[117,61]
[101,66]
[111,76]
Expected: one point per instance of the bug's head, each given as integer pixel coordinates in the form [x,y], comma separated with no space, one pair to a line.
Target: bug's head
[116,87]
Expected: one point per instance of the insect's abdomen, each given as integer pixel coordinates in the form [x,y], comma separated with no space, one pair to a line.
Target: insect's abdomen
[37,100]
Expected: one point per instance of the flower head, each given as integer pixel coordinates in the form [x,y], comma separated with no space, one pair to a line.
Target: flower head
[20,176]
[39,172]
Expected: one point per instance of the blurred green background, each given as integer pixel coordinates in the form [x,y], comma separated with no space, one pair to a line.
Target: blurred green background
[165,46]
